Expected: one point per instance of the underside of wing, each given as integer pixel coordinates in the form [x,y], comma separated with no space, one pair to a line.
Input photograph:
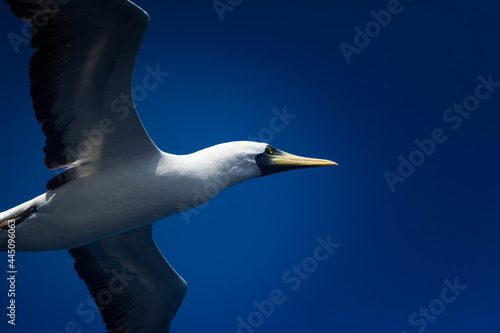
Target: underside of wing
[81,78]
[133,285]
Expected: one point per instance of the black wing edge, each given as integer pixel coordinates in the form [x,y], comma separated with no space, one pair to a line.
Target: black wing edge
[57,27]
[134,287]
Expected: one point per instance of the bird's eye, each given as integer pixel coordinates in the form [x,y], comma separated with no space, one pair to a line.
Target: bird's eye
[270,150]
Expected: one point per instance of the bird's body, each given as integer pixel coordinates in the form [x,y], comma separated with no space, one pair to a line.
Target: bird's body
[124,197]
[118,182]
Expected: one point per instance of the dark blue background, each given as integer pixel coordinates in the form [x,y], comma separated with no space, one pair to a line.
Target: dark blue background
[226,77]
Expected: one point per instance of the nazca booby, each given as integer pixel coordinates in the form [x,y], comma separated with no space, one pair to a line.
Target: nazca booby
[102,206]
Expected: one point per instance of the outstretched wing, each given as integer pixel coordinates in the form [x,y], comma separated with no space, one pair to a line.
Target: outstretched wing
[133,285]
[81,78]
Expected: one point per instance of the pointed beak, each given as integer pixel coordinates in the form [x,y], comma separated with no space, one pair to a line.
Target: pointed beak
[281,161]
[285,159]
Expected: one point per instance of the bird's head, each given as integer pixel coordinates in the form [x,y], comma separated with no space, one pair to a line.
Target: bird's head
[243,160]
[273,160]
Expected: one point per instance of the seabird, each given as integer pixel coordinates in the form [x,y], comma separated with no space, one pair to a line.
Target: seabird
[116,181]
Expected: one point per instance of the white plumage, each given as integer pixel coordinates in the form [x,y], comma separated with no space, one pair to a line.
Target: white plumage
[124,197]
[118,182]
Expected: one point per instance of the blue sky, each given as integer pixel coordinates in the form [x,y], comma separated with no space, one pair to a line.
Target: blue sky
[400,244]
